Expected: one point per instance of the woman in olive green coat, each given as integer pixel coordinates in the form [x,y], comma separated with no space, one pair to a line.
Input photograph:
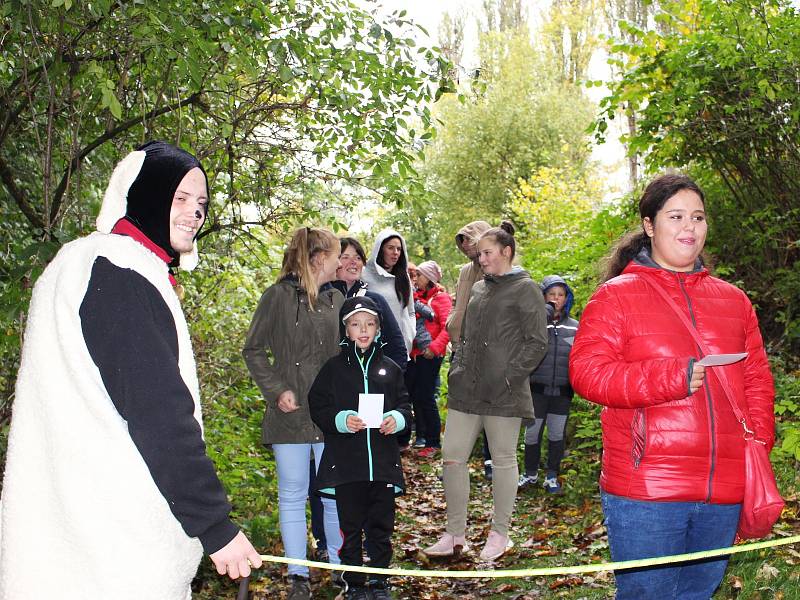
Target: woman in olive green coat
[294,331]
[503,339]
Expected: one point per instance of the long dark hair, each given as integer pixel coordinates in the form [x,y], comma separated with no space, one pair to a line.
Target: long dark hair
[655,196]
[402,284]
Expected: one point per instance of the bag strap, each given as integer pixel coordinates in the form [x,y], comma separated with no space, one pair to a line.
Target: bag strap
[703,347]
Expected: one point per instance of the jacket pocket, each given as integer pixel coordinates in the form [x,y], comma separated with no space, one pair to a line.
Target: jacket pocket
[638,436]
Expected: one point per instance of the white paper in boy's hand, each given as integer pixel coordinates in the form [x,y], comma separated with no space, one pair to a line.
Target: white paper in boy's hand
[370,409]
[718,360]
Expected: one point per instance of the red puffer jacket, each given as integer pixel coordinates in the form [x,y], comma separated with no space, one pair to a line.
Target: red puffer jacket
[439,301]
[631,355]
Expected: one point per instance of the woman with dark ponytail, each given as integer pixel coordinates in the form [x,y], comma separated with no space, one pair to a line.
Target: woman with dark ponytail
[672,477]
[503,337]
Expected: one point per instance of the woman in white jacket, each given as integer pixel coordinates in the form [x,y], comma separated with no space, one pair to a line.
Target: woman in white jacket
[386,274]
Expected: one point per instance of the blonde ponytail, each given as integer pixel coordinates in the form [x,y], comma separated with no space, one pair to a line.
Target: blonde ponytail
[305,245]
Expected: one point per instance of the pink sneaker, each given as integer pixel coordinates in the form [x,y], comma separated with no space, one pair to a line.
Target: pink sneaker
[448,545]
[496,546]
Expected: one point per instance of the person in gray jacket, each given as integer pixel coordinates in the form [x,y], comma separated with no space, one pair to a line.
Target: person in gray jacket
[294,331]
[552,393]
[386,274]
[503,338]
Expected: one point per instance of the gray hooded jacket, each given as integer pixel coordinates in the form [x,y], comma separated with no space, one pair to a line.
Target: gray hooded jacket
[381,282]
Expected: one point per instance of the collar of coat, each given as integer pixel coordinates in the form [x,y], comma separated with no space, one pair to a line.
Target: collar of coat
[126,227]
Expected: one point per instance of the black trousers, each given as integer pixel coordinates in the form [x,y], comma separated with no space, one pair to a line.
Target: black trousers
[422,382]
[365,507]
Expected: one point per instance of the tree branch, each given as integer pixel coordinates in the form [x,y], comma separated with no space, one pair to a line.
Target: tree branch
[73,165]
[18,195]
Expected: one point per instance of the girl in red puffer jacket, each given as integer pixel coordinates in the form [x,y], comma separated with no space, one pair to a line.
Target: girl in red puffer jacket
[672,473]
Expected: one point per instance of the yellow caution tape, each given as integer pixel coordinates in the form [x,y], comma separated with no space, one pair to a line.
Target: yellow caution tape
[591,568]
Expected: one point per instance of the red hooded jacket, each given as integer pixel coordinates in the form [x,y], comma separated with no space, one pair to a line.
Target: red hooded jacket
[632,355]
[439,301]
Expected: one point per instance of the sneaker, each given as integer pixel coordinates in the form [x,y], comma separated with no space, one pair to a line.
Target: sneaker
[552,485]
[427,452]
[419,443]
[496,545]
[356,592]
[301,588]
[448,545]
[487,469]
[527,481]
[380,590]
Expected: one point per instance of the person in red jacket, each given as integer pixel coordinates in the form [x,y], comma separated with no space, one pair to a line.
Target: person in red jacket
[422,374]
[672,475]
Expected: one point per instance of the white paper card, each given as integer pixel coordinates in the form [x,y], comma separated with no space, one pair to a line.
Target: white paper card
[718,360]
[370,409]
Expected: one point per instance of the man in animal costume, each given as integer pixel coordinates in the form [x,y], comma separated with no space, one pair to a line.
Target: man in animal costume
[108,491]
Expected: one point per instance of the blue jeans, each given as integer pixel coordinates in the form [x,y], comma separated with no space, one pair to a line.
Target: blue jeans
[292,461]
[646,529]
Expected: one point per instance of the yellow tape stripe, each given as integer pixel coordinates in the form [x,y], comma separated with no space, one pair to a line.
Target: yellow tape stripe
[591,568]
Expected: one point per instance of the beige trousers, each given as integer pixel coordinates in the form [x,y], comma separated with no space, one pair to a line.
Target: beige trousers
[461,432]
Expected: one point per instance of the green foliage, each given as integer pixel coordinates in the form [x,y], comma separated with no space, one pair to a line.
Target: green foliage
[284,103]
[517,117]
[715,91]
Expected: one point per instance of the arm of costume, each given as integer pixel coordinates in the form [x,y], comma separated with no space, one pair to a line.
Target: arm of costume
[759,388]
[598,369]
[322,401]
[533,329]
[390,332]
[131,337]
[259,342]
[442,305]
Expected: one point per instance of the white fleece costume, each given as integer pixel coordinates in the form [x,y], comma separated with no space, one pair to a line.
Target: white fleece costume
[82,517]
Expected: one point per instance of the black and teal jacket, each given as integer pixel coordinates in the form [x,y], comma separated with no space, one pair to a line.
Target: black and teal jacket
[367,455]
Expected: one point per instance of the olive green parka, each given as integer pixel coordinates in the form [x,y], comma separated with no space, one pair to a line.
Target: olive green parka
[503,339]
[286,346]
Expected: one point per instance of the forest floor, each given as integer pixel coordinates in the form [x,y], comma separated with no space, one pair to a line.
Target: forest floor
[548,531]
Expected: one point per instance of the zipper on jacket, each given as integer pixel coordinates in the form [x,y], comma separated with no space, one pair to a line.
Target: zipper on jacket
[709,403]
[555,353]
[364,371]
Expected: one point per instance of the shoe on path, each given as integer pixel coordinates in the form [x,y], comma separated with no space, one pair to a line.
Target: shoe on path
[380,590]
[527,481]
[552,485]
[496,545]
[419,443]
[448,545]
[301,588]
[487,470]
[427,452]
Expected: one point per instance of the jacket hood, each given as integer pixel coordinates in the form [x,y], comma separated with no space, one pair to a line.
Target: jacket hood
[552,280]
[643,264]
[383,235]
[515,273]
[472,232]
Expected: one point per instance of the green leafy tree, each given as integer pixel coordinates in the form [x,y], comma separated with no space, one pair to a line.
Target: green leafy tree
[715,89]
[285,102]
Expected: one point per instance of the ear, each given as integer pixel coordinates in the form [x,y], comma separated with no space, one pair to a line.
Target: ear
[115,200]
[506,251]
[648,227]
